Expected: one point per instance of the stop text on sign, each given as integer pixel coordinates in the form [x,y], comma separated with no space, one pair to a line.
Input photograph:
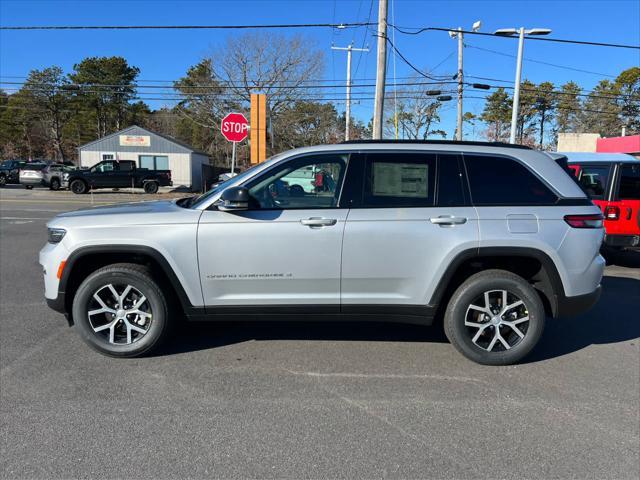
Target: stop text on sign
[234,127]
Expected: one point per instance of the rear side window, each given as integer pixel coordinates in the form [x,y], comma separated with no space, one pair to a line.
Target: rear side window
[399,180]
[629,182]
[503,181]
[450,191]
[594,179]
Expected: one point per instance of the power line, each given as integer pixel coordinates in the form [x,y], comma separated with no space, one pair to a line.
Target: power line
[419,30]
[186,27]
[205,90]
[541,62]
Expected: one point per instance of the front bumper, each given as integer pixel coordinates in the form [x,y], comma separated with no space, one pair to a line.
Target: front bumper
[622,241]
[571,306]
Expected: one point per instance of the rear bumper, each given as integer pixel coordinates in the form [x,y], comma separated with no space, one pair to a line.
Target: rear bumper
[570,306]
[31,181]
[622,241]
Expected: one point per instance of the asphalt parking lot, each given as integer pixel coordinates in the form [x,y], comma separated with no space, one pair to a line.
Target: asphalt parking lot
[301,400]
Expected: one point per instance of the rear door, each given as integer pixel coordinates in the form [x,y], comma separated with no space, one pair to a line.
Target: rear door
[626,197]
[411,218]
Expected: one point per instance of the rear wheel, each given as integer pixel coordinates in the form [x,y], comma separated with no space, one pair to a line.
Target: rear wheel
[151,187]
[120,311]
[28,187]
[55,184]
[3,180]
[78,186]
[495,318]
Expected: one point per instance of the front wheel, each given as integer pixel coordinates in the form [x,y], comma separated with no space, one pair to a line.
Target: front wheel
[78,187]
[495,318]
[120,311]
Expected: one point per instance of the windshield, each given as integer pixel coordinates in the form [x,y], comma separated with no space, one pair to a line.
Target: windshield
[221,186]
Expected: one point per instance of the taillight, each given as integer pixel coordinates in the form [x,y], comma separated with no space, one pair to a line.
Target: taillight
[584,221]
[611,213]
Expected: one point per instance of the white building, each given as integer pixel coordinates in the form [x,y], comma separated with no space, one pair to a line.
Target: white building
[149,150]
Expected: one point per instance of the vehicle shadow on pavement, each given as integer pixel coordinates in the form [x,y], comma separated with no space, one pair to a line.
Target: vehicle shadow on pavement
[629,259]
[614,319]
[195,336]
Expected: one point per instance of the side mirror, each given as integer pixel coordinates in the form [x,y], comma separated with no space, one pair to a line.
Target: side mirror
[234,198]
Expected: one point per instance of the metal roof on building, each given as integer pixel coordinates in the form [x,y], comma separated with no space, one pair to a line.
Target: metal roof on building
[158,143]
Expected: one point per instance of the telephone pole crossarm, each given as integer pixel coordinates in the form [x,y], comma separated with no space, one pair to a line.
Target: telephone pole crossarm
[348,49]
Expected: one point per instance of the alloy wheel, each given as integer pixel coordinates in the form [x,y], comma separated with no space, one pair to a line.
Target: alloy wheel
[119,314]
[497,320]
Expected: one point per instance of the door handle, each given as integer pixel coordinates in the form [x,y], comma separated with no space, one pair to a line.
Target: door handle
[448,220]
[318,222]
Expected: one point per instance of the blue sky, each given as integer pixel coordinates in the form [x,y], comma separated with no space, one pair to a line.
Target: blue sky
[166,55]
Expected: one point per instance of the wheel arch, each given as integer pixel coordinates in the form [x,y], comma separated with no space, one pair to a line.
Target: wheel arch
[88,259]
[532,264]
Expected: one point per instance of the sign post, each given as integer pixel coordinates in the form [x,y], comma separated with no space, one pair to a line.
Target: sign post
[235,128]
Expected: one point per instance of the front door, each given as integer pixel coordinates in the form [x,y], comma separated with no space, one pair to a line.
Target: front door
[284,250]
[411,221]
[104,174]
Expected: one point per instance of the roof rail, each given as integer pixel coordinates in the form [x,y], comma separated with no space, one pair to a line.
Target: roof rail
[442,142]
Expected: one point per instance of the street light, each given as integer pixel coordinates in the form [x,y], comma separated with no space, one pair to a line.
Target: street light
[453,34]
[521,32]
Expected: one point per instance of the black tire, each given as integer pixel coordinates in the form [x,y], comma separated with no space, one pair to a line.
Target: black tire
[151,187]
[78,187]
[55,184]
[3,180]
[28,187]
[119,276]
[459,311]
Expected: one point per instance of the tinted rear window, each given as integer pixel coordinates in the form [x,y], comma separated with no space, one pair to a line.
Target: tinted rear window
[629,182]
[504,181]
[594,179]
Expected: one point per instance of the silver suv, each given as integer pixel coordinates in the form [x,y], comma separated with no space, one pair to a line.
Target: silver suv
[491,238]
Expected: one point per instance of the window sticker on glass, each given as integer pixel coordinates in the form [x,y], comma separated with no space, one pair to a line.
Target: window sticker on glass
[400,179]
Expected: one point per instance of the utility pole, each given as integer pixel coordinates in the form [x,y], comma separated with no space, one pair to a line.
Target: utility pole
[521,32]
[460,75]
[381,71]
[349,49]
[460,85]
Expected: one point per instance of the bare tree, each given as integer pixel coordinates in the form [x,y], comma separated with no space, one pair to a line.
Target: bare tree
[279,66]
[418,112]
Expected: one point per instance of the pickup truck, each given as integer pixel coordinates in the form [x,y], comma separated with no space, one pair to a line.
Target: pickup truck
[118,174]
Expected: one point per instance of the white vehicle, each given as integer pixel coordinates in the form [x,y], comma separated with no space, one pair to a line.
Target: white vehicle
[31,174]
[489,238]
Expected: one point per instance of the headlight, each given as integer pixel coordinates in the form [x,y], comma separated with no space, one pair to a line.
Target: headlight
[56,234]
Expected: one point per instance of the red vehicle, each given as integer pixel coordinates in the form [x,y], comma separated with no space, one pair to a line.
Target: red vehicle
[612,180]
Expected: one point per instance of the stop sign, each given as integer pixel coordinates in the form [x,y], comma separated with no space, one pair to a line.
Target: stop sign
[235,127]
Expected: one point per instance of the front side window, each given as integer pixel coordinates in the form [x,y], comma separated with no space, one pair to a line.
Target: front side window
[593,180]
[629,182]
[399,180]
[496,181]
[103,167]
[308,182]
